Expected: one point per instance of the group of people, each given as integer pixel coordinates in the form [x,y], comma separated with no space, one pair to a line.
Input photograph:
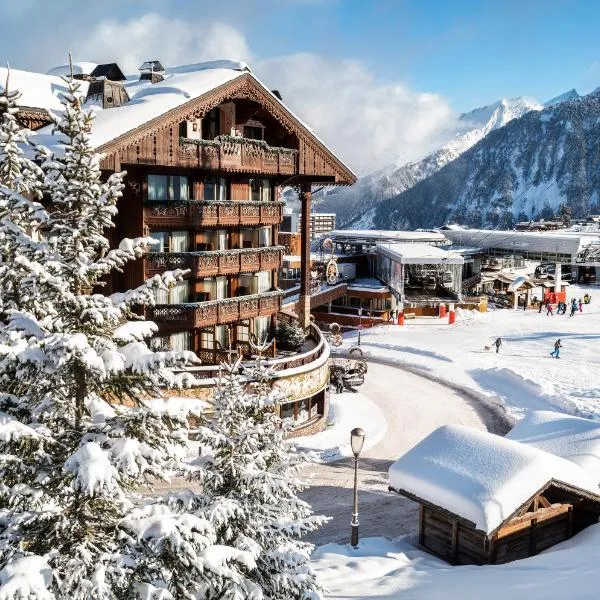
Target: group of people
[561,307]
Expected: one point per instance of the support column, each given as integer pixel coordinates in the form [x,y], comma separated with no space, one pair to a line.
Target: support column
[557,278]
[304,303]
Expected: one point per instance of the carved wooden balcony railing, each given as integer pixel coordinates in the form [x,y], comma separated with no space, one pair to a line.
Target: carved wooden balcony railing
[220,262]
[237,154]
[208,213]
[179,317]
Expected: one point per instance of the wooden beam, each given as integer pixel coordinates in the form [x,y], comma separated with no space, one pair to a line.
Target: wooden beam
[304,304]
[454,546]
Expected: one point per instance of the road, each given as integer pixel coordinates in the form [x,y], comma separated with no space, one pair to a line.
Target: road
[414,406]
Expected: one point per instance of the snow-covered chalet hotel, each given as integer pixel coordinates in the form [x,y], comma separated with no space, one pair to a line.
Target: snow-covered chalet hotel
[208,150]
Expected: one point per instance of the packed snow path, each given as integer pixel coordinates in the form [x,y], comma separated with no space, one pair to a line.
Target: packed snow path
[413,406]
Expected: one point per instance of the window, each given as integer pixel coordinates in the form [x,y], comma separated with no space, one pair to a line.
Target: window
[171,241]
[178,294]
[255,194]
[210,124]
[215,188]
[221,336]
[266,190]
[260,190]
[261,329]
[263,281]
[180,341]
[264,237]
[207,339]
[168,187]
[242,333]
[253,133]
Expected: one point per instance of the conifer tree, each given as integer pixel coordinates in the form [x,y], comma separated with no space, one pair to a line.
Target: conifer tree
[77,433]
[250,481]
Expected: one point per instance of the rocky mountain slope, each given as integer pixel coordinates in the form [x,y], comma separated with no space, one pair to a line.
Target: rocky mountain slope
[524,170]
[355,206]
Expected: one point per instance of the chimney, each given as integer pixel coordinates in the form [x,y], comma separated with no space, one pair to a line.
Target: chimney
[152,71]
[106,86]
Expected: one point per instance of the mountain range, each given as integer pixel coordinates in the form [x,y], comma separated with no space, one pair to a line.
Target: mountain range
[513,160]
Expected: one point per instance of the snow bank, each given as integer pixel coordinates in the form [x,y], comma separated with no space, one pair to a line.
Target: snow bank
[346,411]
[573,438]
[480,476]
[396,570]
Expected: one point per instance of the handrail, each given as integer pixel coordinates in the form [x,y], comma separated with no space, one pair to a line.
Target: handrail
[227,252]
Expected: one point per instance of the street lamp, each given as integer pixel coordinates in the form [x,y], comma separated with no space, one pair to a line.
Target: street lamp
[357,439]
[359,322]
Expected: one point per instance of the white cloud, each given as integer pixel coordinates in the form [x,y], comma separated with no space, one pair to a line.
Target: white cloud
[369,123]
[172,41]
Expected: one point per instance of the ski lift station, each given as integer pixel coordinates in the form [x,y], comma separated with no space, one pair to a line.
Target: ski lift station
[420,274]
[570,248]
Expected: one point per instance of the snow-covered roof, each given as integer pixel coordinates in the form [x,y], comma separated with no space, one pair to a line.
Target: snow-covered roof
[37,90]
[148,100]
[551,242]
[79,68]
[573,438]
[416,253]
[479,476]
[378,235]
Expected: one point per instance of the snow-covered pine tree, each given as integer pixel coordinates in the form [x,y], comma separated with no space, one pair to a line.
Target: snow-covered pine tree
[250,479]
[77,433]
[290,336]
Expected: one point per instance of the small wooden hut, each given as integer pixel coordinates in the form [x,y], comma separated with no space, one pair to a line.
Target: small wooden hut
[485,499]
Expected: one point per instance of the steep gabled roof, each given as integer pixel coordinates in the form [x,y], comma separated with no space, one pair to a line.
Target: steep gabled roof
[481,477]
[187,92]
[109,71]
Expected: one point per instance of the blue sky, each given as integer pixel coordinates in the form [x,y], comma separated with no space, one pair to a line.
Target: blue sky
[381,80]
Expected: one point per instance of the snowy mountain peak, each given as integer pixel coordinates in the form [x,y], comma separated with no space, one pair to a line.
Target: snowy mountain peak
[565,97]
[500,113]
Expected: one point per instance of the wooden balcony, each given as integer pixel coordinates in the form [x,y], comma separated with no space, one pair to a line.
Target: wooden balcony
[206,213]
[222,262]
[179,317]
[237,154]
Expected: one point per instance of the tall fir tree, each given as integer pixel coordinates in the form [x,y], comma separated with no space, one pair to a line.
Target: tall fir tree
[77,432]
[251,484]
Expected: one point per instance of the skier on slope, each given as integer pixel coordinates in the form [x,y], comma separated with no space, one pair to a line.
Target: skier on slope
[557,347]
[498,343]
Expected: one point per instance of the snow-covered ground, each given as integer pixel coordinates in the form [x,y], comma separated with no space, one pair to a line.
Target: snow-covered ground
[426,374]
[396,570]
[522,375]
[346,411]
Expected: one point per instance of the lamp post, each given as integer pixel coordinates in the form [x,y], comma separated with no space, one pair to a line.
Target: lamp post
[359,322]
[357,439]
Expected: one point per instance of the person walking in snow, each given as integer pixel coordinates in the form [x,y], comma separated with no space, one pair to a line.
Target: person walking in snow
[580,305]
[549,309]
[541,306]
[498,343]
[573,307]
[557,347]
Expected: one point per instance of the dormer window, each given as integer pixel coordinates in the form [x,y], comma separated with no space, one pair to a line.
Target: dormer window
[254,130]
[210,124]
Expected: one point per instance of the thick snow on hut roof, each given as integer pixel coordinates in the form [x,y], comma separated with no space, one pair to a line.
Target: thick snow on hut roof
[416,253]
[37,90]
[573,438]
[479,476]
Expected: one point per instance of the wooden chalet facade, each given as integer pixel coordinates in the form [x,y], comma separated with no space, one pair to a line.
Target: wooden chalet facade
[205,180]
[553,515]
[485,499]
